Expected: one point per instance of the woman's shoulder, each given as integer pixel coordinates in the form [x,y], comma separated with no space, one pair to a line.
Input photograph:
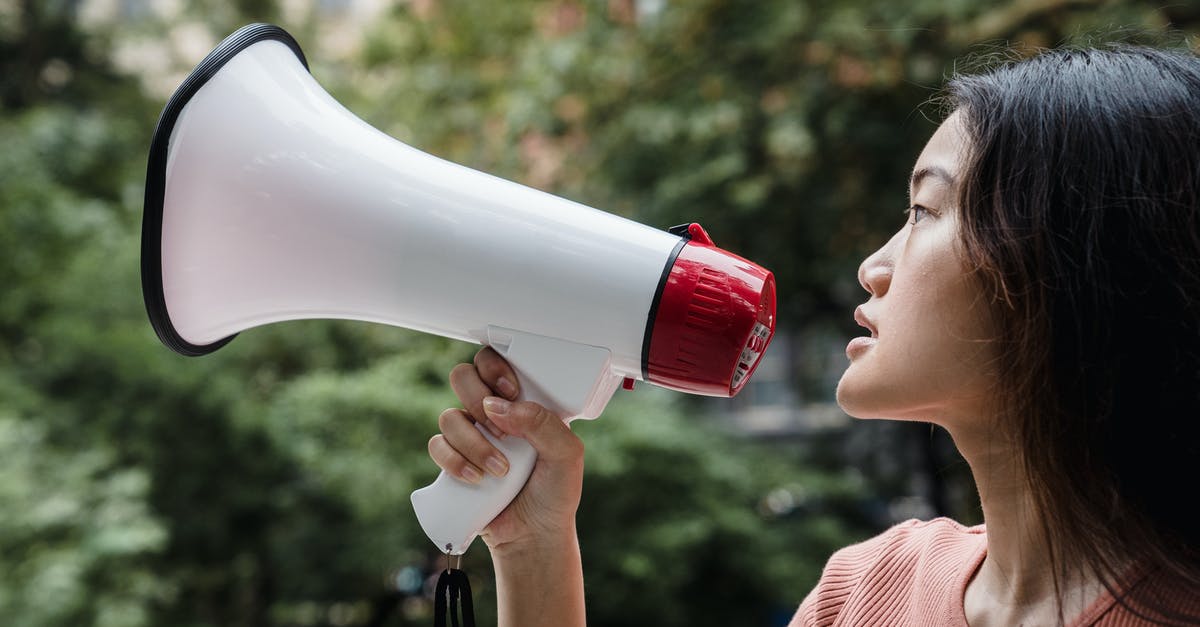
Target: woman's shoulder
[912,544]
[921,565]
[915,537]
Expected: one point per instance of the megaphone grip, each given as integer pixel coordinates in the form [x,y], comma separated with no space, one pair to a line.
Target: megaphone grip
[453,512]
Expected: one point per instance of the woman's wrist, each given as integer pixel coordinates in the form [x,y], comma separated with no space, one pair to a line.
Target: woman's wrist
[539,581]
[537,547]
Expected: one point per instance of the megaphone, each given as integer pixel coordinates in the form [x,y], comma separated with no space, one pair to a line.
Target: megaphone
[266,201]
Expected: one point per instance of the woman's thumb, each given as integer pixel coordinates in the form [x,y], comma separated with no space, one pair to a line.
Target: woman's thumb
[549,435]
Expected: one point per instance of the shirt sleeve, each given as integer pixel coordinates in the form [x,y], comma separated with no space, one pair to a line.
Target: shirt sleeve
[842,576]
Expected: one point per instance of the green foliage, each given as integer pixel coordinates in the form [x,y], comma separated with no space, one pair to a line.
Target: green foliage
[76,534]
[785,128]
[673,521]
[670,507]
[268,484]
[361,437]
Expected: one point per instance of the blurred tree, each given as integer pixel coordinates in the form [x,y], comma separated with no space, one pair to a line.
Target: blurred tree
[267,484]
[787,129]
[75,532]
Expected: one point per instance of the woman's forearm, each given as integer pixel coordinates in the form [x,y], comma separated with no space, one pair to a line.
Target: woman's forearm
[540,585]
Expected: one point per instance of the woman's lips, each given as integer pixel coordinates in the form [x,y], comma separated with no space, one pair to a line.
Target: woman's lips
[860,344]
[863,321]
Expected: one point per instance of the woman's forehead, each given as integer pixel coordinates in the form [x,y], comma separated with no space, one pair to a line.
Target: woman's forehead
[941,159]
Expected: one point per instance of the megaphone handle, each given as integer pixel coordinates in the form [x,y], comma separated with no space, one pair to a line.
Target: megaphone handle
[569,379]
[453,512]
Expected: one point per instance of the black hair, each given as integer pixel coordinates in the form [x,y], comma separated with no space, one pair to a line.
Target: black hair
[1081,217]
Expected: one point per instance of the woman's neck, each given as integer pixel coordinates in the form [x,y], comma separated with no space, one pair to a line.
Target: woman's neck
[1015,583]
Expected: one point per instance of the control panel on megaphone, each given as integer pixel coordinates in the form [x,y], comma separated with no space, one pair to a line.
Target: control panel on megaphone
[266,200]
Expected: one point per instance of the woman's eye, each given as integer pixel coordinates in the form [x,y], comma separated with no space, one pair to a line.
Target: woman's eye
[916,213]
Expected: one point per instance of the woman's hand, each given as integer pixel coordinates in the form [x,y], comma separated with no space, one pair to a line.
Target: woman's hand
[543,513]
[539,576]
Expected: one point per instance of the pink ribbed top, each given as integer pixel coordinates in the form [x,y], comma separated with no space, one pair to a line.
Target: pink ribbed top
[916,573]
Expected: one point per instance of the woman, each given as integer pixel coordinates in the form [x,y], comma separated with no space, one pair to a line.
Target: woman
[1042,304]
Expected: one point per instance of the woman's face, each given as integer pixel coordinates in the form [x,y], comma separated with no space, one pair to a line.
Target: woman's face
[929,354]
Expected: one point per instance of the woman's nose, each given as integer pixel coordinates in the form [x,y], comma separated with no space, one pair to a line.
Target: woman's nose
[875,272]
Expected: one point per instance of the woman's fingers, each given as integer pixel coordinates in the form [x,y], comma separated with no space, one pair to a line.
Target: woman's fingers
[489,375]
[471,390]
[496,373]
[462,451]
[452,462]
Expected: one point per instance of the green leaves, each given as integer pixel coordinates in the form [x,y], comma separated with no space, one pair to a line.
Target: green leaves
[76,535]
[268,483]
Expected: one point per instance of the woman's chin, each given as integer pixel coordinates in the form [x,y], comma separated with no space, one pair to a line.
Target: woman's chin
[858,398]
[850,398]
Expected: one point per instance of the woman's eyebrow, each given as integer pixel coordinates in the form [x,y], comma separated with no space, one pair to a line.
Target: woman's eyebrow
[927,171]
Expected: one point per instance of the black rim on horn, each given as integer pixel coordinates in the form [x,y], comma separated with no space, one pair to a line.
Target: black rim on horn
[156,172]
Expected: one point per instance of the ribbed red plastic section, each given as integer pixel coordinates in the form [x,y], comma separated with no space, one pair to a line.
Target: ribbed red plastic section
[714,319]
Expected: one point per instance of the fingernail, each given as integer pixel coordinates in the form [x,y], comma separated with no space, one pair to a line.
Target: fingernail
[496,466]
[506,387]
[470,475]
[496,405]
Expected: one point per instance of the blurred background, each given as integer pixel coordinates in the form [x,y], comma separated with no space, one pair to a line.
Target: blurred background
[268,484]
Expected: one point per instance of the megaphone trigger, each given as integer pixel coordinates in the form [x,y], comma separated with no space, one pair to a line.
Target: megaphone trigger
[572,380]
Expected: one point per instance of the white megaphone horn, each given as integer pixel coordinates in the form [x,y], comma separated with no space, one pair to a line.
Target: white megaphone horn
[266,200]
